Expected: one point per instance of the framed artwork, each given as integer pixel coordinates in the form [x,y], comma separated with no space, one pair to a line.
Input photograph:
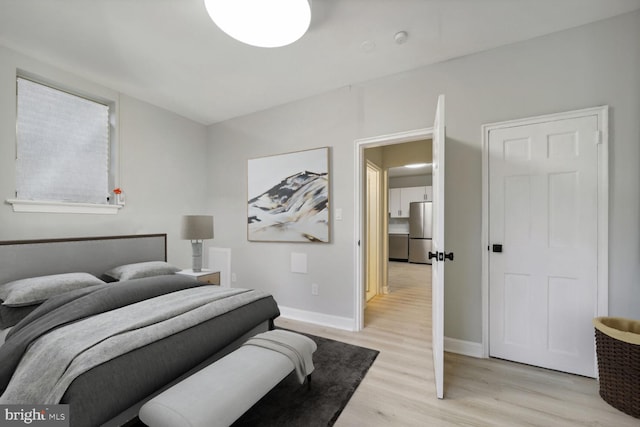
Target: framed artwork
[289,197]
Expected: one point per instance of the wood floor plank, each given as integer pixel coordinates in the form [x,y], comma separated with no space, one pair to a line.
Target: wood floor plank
[399,390]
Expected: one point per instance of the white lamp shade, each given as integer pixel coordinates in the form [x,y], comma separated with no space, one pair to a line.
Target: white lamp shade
[197,227]
[261,23]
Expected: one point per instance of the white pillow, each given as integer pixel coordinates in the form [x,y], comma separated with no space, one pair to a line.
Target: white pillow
[35,290]
[141,269]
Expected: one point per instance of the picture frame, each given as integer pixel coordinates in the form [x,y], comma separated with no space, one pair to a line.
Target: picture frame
[288,197]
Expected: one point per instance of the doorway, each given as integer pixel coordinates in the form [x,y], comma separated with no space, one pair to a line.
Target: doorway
[439,255]
[377,143]
[545,193]
[371,150]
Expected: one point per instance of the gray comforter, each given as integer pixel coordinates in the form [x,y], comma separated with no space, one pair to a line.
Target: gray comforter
[120,355]
[76,305]
[94,340]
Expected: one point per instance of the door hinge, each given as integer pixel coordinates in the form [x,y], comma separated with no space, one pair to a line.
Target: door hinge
[598,137]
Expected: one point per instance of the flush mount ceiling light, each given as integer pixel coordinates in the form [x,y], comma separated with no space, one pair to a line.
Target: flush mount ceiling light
[416,165]
[261,23]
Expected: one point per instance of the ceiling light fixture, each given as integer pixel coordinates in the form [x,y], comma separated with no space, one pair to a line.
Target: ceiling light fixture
[416,165]
[261,23]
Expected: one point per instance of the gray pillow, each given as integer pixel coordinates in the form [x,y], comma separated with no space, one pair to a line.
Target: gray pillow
[35,290]
[141,269]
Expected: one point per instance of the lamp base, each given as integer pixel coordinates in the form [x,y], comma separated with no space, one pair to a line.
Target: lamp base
[196,259]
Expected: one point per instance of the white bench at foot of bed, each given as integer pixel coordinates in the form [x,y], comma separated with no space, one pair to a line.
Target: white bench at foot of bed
[220,393]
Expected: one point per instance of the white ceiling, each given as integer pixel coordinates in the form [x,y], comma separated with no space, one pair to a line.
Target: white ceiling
[169,53]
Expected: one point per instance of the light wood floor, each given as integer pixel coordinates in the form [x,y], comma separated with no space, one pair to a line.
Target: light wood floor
[398,390]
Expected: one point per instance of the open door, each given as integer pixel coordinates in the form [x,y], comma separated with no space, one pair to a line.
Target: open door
[438,255]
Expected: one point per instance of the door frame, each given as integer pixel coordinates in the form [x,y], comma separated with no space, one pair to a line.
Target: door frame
[602,115]
[359,222]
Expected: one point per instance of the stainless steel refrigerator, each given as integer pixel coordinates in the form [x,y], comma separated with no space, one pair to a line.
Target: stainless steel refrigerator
[420,232]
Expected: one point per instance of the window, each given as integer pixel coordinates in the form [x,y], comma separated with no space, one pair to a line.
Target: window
[63,150]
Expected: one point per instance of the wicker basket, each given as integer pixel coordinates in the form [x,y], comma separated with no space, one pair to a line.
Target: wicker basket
[618,351]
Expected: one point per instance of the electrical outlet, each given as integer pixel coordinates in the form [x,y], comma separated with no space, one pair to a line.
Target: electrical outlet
[234,277]
[314,289]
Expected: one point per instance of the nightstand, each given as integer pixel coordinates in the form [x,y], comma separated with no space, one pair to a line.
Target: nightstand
[206,276]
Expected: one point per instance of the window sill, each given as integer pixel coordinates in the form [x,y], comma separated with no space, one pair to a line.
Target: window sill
[62,207]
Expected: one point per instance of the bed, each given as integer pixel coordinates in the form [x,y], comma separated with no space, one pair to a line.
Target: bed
[206,322]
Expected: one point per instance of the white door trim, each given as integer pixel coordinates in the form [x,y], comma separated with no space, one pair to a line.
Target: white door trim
[359,231]
[602,114]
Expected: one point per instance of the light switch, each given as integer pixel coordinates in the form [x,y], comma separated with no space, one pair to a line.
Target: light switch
[338,214]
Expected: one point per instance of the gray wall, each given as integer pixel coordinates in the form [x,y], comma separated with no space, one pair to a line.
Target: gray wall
[583,67]
[162,163]
[326,120]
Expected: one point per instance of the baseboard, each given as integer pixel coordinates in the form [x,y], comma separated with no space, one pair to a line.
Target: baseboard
[321,319]
[451,345]
[466,348]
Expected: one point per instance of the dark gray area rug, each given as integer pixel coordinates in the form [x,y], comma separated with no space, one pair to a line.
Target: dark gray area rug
[339,369]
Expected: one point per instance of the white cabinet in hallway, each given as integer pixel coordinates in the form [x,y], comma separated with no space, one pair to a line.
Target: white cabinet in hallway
[399,199]
[428,194]
[395,203]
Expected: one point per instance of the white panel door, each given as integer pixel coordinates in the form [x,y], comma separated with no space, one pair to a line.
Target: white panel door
[543,211]
[437,265]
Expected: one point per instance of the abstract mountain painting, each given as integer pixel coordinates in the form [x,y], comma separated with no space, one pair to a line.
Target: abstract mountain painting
[289,197]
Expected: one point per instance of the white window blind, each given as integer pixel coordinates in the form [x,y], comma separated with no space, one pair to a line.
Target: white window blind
[62,146]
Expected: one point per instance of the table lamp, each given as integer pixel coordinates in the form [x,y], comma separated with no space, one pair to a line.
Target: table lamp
[197,228]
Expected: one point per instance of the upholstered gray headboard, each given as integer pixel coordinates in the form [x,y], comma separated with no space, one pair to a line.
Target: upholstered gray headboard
[20,259]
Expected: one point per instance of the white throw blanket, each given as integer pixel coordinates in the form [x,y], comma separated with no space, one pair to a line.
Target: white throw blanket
[298,348]
[54,360]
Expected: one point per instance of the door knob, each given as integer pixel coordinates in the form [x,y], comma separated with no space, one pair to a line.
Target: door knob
[433,255]
[448,256]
